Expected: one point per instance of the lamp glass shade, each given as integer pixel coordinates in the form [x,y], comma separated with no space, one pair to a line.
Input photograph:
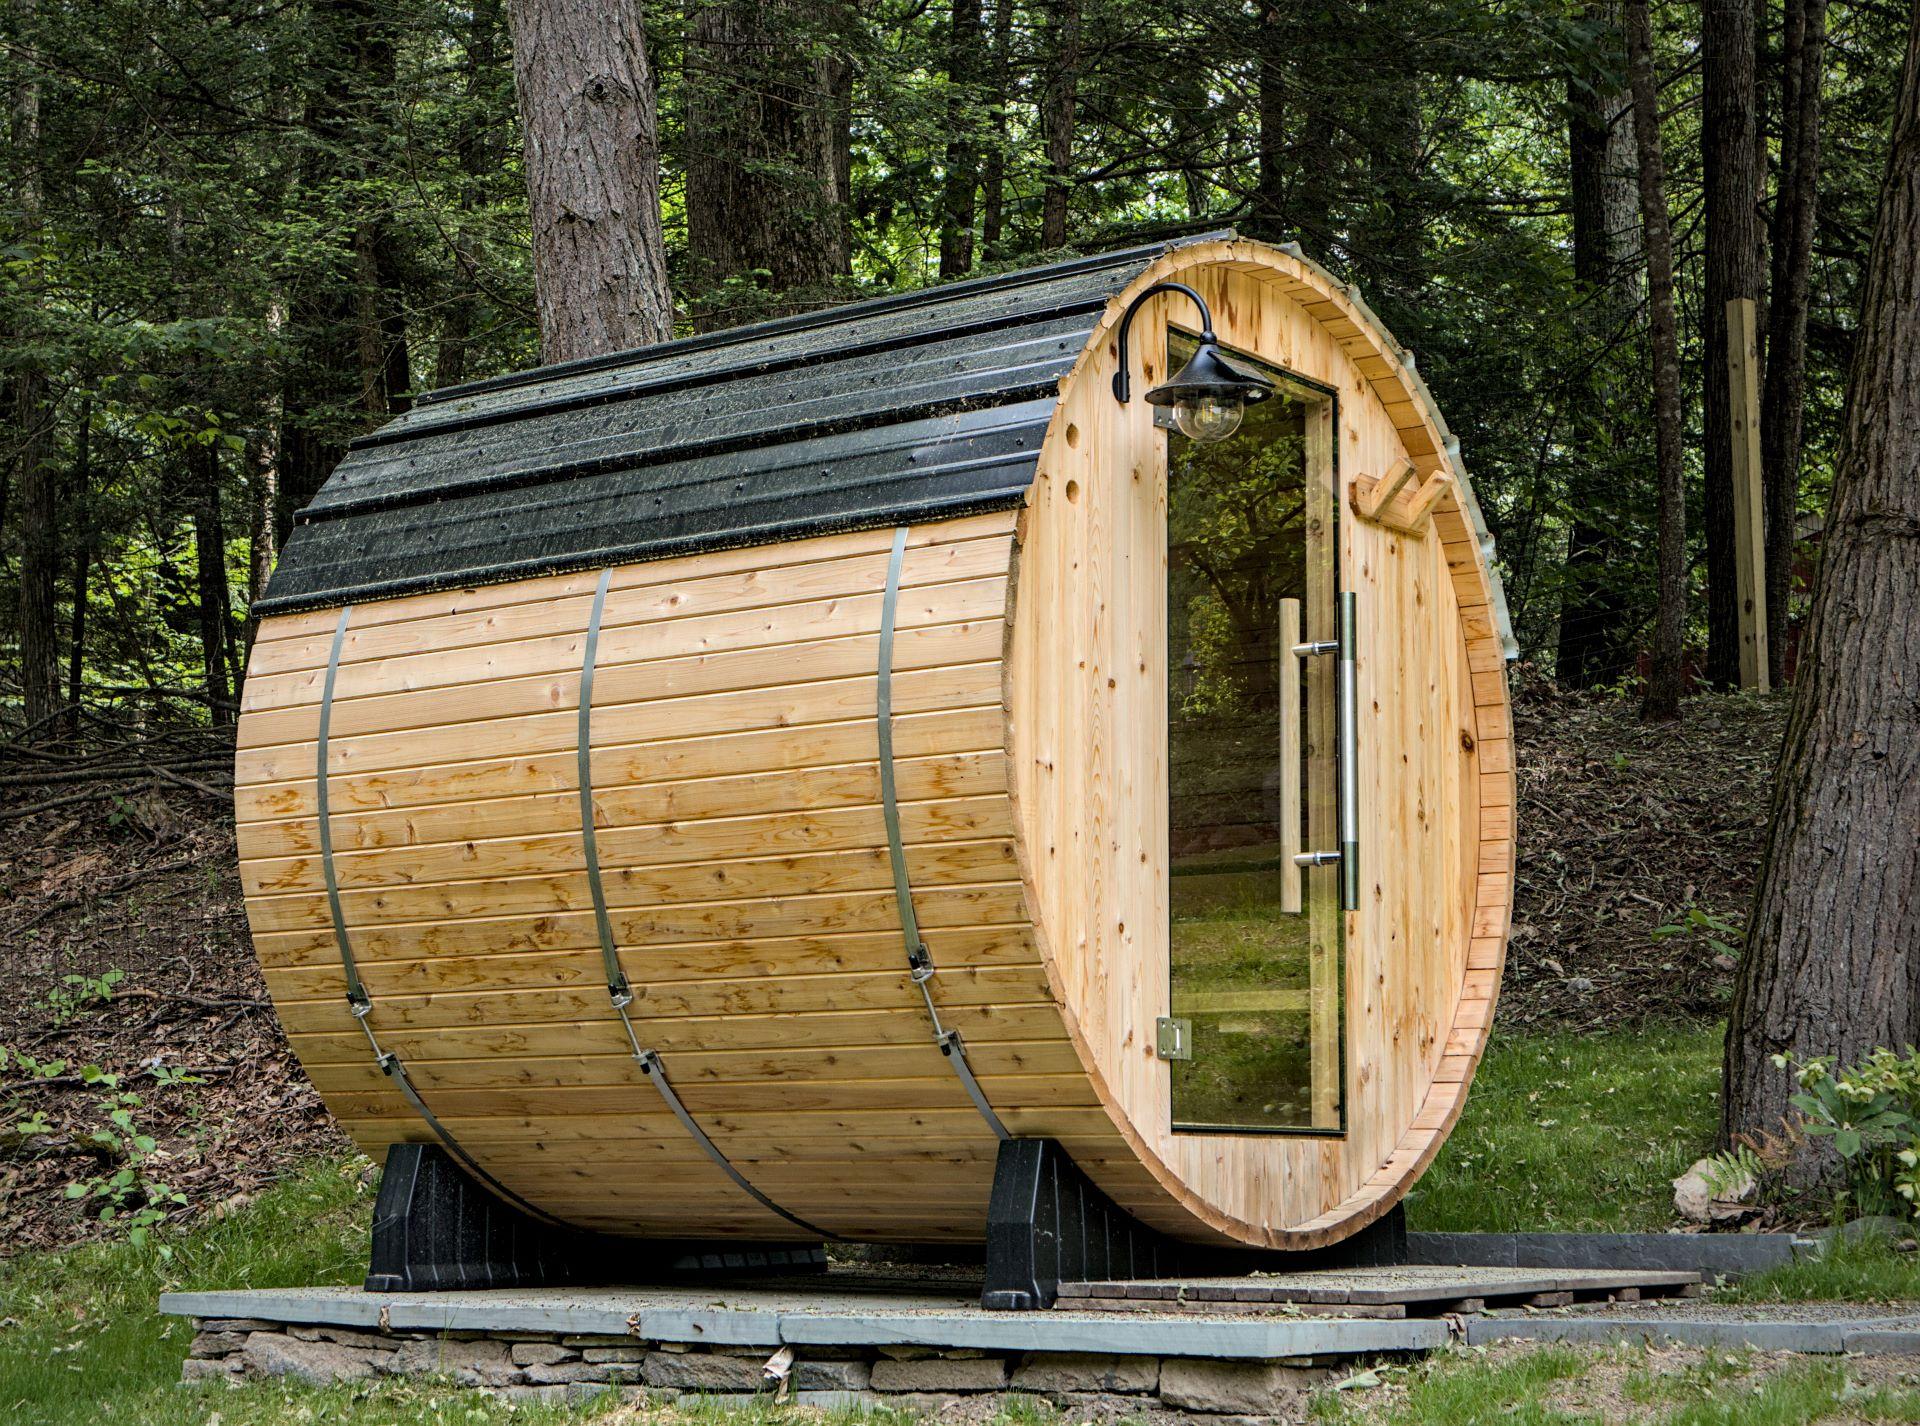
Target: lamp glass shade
[1209,418]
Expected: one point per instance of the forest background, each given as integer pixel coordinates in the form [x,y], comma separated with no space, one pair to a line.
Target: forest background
[239,232]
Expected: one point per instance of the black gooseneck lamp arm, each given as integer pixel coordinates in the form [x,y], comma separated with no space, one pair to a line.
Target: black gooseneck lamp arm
[1123,378]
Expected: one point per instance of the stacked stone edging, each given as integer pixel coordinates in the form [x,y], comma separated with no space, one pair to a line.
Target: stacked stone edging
[554,1366]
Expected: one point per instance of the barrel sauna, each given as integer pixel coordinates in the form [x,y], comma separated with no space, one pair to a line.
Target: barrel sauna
[721,790]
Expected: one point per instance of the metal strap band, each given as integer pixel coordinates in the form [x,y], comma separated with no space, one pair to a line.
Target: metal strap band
[619,991]
[356,992]
[651,1066]
[589,837]
[919,958]
[358,1001]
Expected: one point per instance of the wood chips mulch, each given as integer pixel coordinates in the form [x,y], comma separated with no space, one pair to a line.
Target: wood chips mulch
[1623,827]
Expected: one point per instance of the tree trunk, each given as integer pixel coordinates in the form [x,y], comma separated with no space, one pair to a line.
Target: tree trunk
[1832,963]
[324,385]
[79,500]
[1803,62]
[474,143]
[1662,697]
[386,379]
[768,101]
[1059,98]
[1267,219]
[993,175]
[210,578]
[593,176]
[1389,234]
[966,67]
[386,382]
[262,458]
[1733,271]
[1595,611]
[32,410]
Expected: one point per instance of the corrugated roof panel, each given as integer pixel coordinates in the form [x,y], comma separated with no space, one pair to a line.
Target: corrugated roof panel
[935,468]
[927,405]
[830,395]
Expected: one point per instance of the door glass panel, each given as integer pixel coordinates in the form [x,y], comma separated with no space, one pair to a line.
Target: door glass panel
[1256,939]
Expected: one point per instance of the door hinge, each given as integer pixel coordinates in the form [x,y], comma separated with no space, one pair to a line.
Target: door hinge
[1173,1039]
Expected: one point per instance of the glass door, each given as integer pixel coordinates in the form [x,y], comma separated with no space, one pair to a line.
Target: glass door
[1258,1038]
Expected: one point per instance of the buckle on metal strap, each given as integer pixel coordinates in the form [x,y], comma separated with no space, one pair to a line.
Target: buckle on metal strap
[921,961]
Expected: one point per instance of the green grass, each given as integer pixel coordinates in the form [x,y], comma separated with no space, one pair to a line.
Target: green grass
[84,1345]
[1554,1386]
[1463,1390]
[1576,1133]
[1851,1270]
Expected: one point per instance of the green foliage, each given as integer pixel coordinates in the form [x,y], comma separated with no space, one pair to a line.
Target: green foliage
[1576,1133]
[1870,1111]
[127,1192]
[267,226]
[77,994]
[1696,923]
[1729,1171]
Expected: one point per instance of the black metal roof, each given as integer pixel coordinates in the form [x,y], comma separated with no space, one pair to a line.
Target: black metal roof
[924,406]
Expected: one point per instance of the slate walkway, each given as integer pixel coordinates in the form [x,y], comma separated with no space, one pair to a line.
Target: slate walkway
[773,1317]
[941,1316]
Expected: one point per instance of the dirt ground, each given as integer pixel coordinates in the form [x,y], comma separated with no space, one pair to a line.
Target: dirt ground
[1624,827]
[138,879]
[118,856]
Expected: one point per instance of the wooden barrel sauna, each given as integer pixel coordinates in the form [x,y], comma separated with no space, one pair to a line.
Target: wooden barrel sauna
[722,789]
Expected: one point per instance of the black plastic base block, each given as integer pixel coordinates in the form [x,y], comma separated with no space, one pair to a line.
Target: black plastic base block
[436,1230]
[1048,1224]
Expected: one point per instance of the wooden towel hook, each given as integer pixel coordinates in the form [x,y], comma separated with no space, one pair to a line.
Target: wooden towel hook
[1395,501]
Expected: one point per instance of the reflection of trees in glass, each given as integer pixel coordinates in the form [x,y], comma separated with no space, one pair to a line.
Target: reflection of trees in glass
[1234,552]
[1243,972]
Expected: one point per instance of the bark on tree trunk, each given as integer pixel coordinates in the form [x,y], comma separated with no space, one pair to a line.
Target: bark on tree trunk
[324,380]
[768,105]
[39,521]
[386,382]
[32,411]
[591,137]
[79,500]
[474,144]
[966,68]
[262,457]
[1059,99]
[1803,62]
[1268,218]
[210,578]
[1595,610]
[993,176]
[1389,237]
[1733,271]
[1832,963]
[1662,696]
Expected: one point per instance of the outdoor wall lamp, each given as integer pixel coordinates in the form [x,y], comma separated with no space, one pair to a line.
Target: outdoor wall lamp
[1209,394]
